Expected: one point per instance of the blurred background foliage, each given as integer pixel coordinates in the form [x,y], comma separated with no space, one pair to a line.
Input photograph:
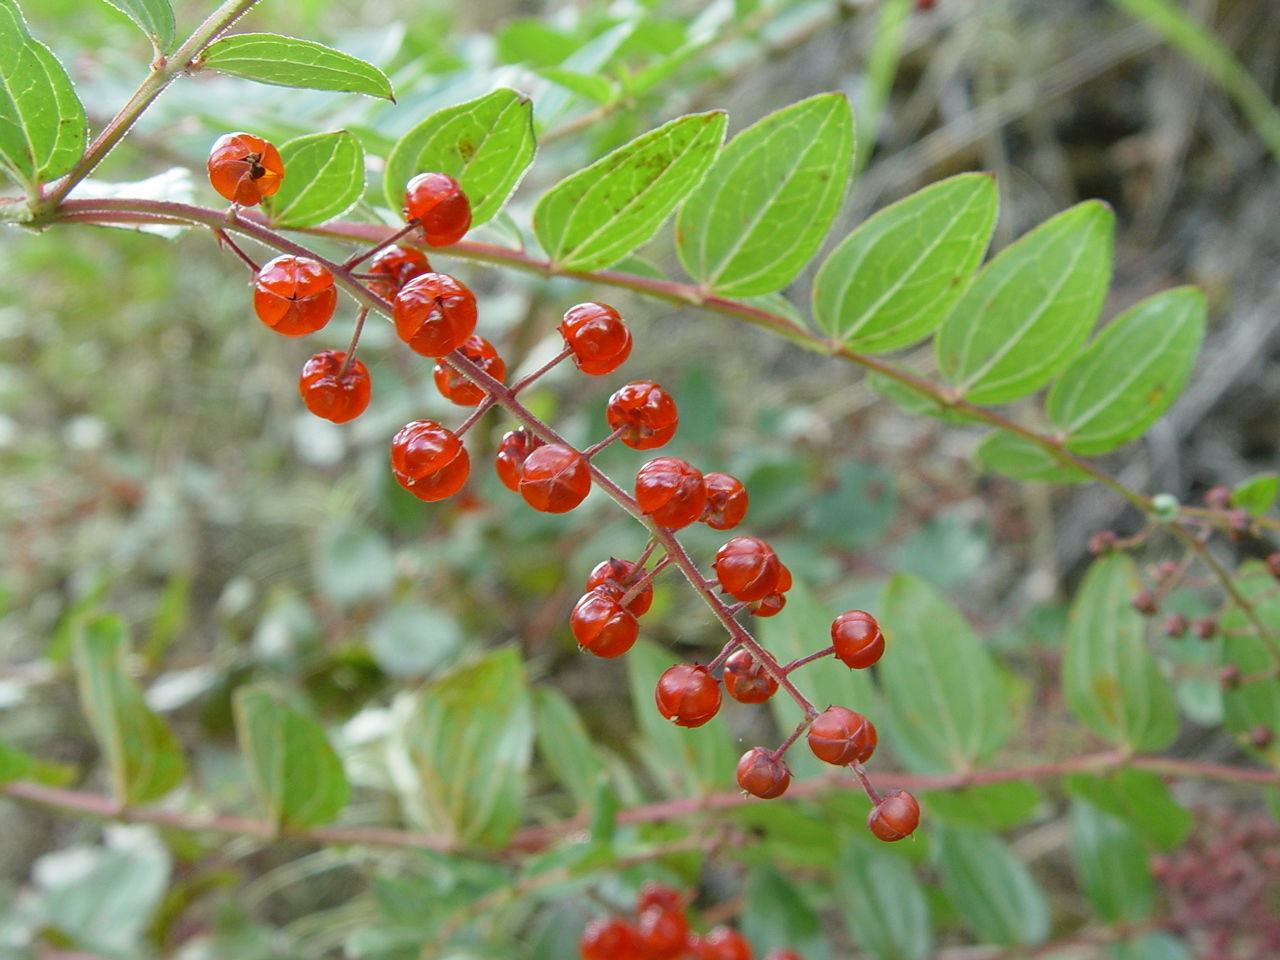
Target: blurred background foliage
[155,459]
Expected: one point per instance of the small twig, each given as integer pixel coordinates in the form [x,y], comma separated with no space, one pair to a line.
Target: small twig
[355,340]
[356,260]
[224,238]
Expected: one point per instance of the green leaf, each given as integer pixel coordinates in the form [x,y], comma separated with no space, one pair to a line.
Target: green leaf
[155,17]
[1139,798]
[1153,946]
[588,85]
[411,640]
[683,758]
[1030,309]
[1014,456]
[290,62]
[990,887]
[944,697]
[1111,863]
[42,123]
[761,213]
[1256,495]
[565,747]
[883,904]
[992,806]
[1255,703]
[14,764]
[463,751]
[296,774]
[326,179]
[1130,374]
[892,281]
[595,217]
[777,917]
[142,753]
[913,401]
[485,144]
[1111,681]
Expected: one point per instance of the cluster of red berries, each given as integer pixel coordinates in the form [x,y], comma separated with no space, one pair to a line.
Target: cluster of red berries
[661,931]
[435,315]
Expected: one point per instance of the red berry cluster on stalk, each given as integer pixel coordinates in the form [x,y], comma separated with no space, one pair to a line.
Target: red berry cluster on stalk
[435,315]
[660,931]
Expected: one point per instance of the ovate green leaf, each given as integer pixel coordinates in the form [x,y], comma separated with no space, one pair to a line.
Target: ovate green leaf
[485,144]
[1255,702]
[42,123]
[565,747]
[892,280]
[1130,374]
[883,904]
[141,751]
[155,17]
[1110,679]
[990,887]
[762,211]
[1021,459]
[326,178]
[1256,495]
[1111,863]
[295,772]
[778,917]
[290,62]
[1030,309]
[945,699]
[597,216]
[993,806]
[1139,798]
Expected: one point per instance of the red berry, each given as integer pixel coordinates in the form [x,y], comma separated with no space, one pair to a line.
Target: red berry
[761,775]
[394,267]
[330,396]
[622,573]
[554,478]
[602,625]
[896,816]
[663,933]
[294,295]
[746,680]
[437,202]
[454,386]
[608,938]
[687,694]
[514,447]
[244,168]
[671,491]
[600,341]
[429,460]
[747,568]
[840,736]
[658,895]
[726,501]
[434,314]
[857,639]
[724,943]
[646,411]
[772,604]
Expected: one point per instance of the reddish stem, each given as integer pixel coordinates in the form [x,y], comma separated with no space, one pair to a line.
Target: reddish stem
[355,341]
[599,445]
[225,238]
[530,377]
[801,727]
[634,590]
[355,261]
[801,661]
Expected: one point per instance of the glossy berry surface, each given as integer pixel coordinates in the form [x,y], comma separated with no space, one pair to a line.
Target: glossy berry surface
[600,341]
[687,695]
[746,680]
[761,775]
[857,639]
[244,168]
[896,816]
[455,387]
[331,393]
[395,266]
[724,943]
[726,501]
[841,736]
[645,412]
[671,491]
[609,938]
[622,573]
[429,460]
[602,625]
[437,202]
[554,479]
[747,569]
[772,604]
[294,295]
[664,933]
[434,314]
[514,447]
[658,895]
